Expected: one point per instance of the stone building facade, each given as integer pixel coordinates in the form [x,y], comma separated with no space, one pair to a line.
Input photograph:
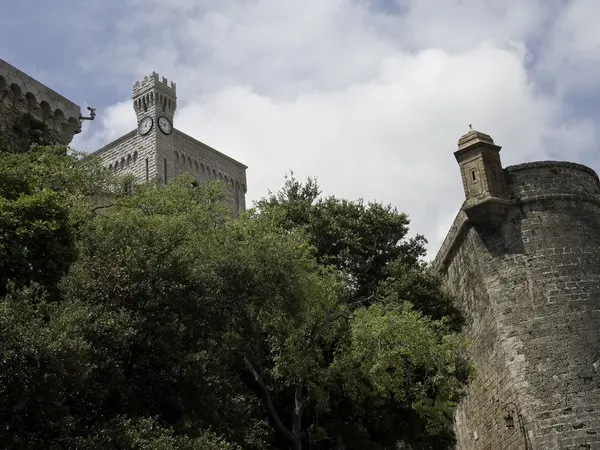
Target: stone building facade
[32,112]
[158,151]
[523,258]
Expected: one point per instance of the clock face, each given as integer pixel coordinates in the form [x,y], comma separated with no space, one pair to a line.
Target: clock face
[165,125]
[145,125]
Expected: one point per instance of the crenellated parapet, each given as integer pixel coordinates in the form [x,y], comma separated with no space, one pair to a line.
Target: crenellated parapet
[154,91]
[27,98]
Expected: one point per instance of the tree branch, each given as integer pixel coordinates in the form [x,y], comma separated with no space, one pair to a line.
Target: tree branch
[316,329]
[96,208]
[269,404]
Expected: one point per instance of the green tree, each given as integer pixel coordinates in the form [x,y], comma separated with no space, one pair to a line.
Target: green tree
[74,362]
[262,317]
[155,257]
[162,323]
[368,243]
[42,206]
[384,282]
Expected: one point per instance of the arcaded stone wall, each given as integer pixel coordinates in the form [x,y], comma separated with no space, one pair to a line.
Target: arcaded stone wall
[32,112]
[209,164]
[144,157]
[130,154]
[531,292]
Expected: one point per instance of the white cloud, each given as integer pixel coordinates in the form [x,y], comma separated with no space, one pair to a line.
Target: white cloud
[111,123]
[574,47]
[372,104]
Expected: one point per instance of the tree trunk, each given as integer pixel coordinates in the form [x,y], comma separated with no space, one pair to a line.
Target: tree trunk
[297,416]
[294,439]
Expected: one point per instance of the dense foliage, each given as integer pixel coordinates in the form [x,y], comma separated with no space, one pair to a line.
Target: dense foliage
[153,321]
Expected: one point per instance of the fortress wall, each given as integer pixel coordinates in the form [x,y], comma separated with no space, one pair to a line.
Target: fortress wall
[479,418]
[531,291]
[10,116]
[22,96]
[551,177]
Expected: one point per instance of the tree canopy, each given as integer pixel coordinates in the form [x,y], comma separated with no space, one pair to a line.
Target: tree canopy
[151,319]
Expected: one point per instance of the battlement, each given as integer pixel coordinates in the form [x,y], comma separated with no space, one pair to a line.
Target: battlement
[151,81]
[154,93]
[24,95]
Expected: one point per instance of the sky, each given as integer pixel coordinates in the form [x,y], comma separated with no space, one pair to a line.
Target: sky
[369,96]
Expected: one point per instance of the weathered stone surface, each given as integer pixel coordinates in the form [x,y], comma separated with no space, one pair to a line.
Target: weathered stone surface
[23,98]
[530,288]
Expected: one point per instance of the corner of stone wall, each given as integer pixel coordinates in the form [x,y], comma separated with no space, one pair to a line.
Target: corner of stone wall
[453,239]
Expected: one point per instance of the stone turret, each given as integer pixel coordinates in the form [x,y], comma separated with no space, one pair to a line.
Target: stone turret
[483,178]
[154,96]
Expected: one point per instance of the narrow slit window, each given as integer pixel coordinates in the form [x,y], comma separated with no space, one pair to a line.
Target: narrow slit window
[474,176]
[165,170]
[494,174]
[147,171]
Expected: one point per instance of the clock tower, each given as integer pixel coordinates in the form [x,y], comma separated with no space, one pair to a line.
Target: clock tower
[155,102]
[157,152]
[154,99]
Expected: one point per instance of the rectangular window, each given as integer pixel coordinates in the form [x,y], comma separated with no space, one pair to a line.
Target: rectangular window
[165,170]
[474,175]
[147,171]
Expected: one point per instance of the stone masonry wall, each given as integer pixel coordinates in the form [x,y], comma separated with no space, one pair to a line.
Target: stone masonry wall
[531,291]
[480,417]
[207,163]
[27,103]
[144,157]
[11,138]
[131,154]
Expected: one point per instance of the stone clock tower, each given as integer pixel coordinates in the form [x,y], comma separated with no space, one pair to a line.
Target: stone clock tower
[156,151]
[155,102]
